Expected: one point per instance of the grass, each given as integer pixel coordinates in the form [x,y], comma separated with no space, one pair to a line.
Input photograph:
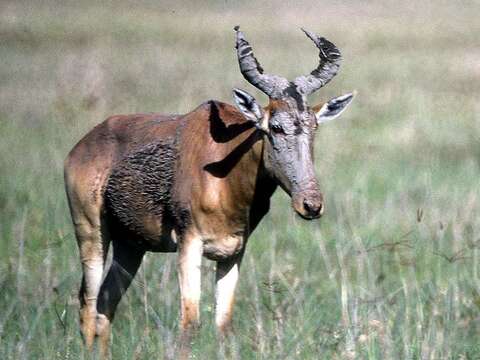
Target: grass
[391,271]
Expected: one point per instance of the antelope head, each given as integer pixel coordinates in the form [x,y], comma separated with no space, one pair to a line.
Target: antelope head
[288,122]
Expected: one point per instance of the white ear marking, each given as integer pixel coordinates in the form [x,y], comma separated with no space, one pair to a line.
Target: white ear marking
[249,107]
[334,107]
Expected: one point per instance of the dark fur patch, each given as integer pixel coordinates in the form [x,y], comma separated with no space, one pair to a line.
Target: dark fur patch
[291,91]
[141,185]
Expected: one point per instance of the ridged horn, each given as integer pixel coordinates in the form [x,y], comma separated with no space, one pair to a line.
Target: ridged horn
[330,58]
[252,71]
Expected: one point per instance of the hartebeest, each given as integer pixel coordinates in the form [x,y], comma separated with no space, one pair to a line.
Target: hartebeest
[197,183]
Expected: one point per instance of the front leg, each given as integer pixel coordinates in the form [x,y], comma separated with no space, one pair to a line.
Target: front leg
[226,282]
[189,276]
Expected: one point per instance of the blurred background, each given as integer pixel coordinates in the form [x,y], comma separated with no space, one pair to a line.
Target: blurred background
[391,271]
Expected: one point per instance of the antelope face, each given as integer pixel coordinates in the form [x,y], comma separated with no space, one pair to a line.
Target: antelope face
[289,155]
[289,123]
[290,128]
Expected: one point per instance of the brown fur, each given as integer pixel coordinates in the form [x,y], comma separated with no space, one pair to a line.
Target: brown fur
[149,182]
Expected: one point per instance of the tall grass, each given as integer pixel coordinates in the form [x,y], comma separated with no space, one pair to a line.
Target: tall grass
[391,271]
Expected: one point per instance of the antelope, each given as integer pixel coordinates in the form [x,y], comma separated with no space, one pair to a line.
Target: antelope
[197,184]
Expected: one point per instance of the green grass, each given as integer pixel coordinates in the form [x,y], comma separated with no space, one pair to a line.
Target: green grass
[391,271]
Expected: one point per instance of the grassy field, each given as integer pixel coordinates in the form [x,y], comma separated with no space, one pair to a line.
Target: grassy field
[391,271]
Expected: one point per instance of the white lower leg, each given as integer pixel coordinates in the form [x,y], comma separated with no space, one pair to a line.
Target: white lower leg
[190,262]
[93,271]
[226,282]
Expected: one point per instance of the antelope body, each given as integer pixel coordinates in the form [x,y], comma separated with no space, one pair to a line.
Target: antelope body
[197,184]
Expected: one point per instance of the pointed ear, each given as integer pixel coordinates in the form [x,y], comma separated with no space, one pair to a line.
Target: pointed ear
[333,108]
[248,106]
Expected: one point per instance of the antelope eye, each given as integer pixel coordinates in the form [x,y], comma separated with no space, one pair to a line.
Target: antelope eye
[277,128]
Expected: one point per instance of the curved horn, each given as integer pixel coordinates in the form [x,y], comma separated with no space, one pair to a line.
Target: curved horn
[328,66]
[251,70]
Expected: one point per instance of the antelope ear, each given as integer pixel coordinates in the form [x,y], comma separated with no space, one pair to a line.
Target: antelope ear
[249,107]
[332,108]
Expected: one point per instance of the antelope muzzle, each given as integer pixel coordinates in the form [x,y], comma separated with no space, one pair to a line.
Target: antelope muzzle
[308,204]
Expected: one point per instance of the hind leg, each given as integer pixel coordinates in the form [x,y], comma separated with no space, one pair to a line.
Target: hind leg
[125,263]
[86,171]
[93,250]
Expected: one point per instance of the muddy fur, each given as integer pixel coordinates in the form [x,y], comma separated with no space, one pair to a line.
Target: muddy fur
[140,186]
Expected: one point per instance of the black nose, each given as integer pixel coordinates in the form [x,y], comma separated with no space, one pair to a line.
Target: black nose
[313,208]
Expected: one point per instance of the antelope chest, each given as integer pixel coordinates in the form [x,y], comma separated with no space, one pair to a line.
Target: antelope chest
[220,218]
[223,247]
